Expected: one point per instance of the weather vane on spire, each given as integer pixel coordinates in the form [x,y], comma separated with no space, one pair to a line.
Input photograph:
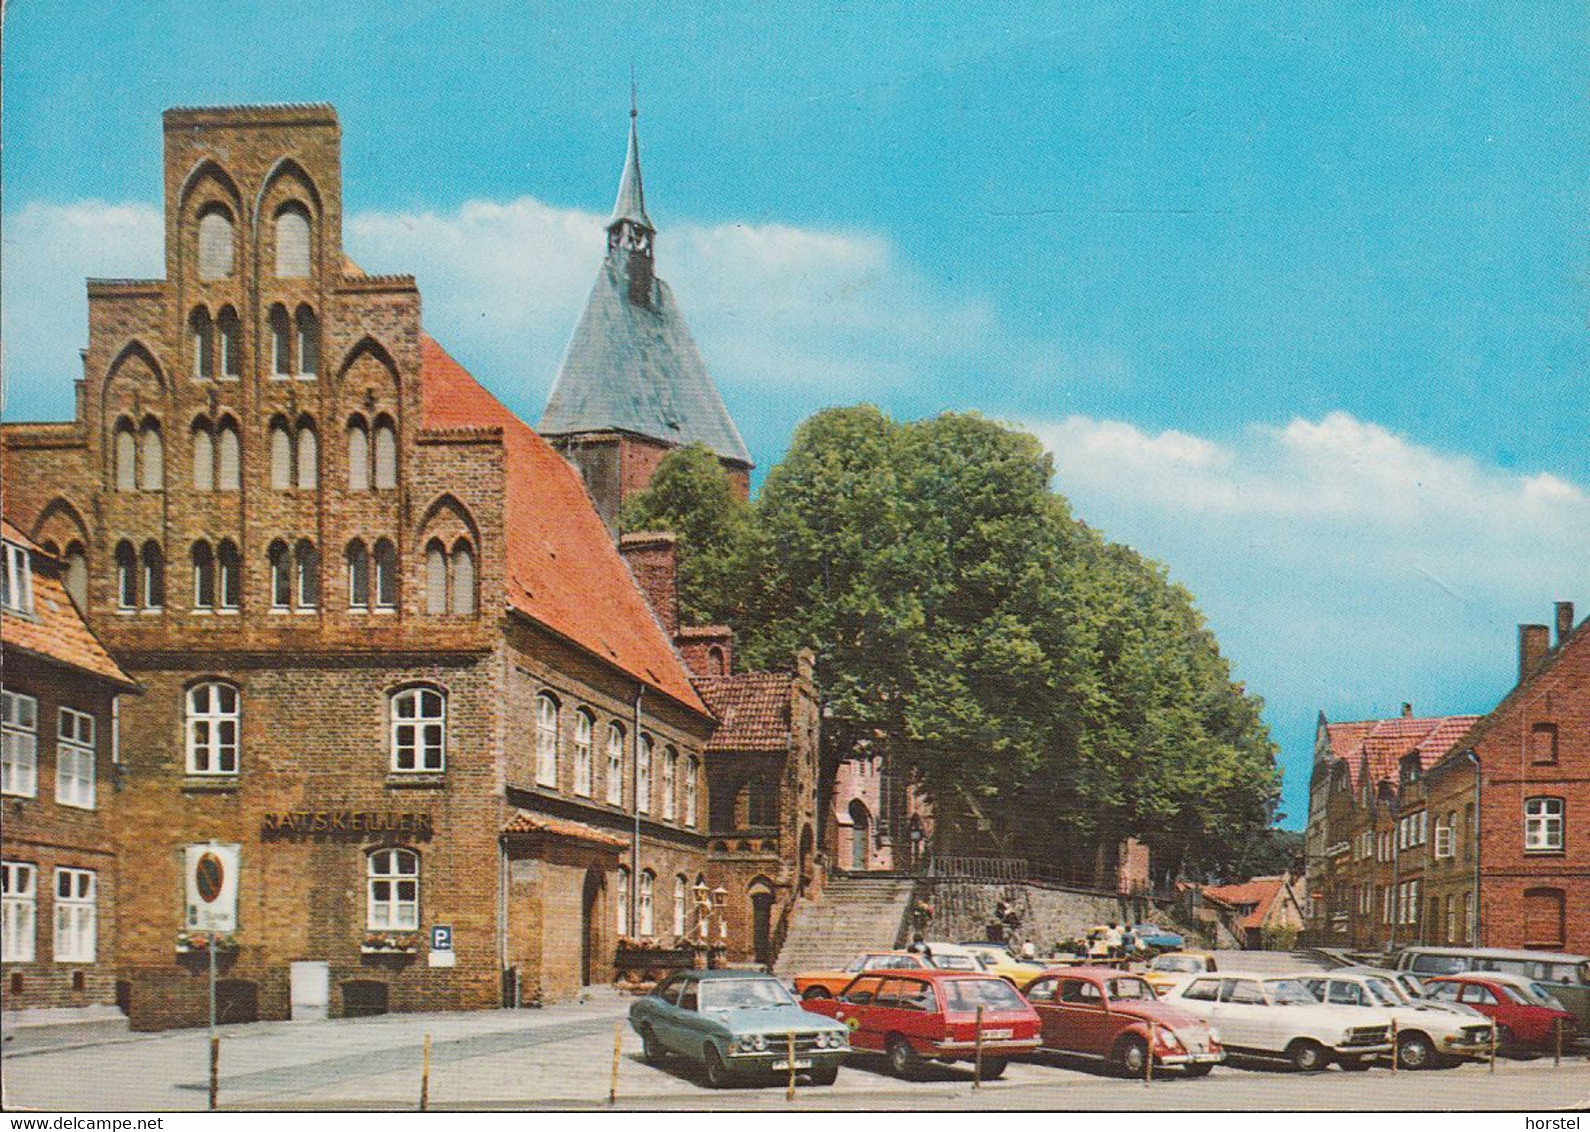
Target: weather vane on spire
[634,103]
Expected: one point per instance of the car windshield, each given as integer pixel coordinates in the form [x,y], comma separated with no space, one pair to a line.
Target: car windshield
[1290,992]
[1385,992]
[1185,964]
[1130,988]
[969,994]
[743,994]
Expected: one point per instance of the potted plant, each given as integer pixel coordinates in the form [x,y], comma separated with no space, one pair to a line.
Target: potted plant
[390,943]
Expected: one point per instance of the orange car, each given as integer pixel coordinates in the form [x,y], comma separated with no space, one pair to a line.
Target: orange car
[827,984]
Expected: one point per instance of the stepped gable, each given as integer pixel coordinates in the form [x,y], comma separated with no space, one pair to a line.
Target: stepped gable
[55,631]
[752,709]
[562,568]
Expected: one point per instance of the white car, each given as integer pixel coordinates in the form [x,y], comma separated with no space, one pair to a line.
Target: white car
[1276,1017]
[1428,1033]
[951,957]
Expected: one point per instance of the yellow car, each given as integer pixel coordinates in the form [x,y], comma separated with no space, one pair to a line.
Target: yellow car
[997,960]
[1173,968]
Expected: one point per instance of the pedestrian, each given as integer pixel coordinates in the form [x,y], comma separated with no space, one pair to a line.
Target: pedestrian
[1112,940]
[1028,951]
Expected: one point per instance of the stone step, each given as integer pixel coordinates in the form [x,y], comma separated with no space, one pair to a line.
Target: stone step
[854,914]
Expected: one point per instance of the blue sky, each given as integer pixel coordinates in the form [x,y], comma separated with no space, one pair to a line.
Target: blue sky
[1295,292]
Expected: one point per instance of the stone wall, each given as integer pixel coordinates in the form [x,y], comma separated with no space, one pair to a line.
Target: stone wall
[1039,914]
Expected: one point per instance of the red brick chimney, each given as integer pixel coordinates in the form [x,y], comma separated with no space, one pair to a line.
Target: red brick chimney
[1534,642]
[653,558]
[1407,710]
[1564,621]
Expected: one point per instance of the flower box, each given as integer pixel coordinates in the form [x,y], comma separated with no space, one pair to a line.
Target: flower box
[390,943]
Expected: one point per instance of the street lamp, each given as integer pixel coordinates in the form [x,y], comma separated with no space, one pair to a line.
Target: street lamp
[720,901]
[703,909]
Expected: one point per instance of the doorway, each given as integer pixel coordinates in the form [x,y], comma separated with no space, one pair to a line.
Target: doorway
[860,835]
[762,921]
[590,926]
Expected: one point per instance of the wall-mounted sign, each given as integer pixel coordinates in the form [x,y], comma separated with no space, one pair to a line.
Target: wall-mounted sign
[210,873]
[441,937]
[347,823]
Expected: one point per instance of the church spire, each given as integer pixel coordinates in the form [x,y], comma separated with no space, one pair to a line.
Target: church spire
[629,210]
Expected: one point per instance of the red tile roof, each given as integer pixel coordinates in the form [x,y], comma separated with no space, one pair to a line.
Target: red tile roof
[1384,743]
[1260,891]
[562,567]
[523,822]
[753,709]
[56,630]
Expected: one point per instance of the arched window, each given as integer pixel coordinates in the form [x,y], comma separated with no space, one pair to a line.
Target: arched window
[583,726]
[358,559]
[386,575]
[435,577]
[621,912]
[213,715]
[419,730]
[126,576]
[307,565]
[215,243]
[228,457]
[670,784]
[715,662]
[463,578]
[151,456]
[154,564]
[385,454]
[615,765]
[308,342]
[228,575]
[281,576]
[1543,825]
[692,775]
[292,241]
[202,333]
[648,885]
[281,455]
[126,456]
[281,342]
[546,740]
[358,455]
[643,775]
[76,580]
[203,456]
[681,885]
[394,890]
[308,450]
[203,576]
[231,329]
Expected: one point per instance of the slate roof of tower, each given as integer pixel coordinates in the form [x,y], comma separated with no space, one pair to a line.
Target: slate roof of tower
[562,567]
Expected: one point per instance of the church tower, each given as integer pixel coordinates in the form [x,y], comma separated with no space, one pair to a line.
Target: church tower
[632,385]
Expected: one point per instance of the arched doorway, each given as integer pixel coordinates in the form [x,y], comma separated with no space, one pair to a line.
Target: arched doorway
[590,926]
[860,835]
[918,839]
[761,893]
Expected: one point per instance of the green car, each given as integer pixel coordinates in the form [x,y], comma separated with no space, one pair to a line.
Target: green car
[737,1024]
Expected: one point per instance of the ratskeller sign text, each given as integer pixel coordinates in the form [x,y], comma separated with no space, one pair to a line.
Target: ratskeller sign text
[306,823]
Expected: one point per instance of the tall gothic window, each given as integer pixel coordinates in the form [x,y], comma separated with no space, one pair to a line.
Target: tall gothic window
[228,575]
[385,441]
[228,457]
[583,726]
[154,570]
[615,765]
[307,565]
[358,455]
[308,342]
[292,241]
[215,243]
[202,332]
[151,457]
[126,445]
[546,740]
[281,455]
[203,576]
[386,575]
[231,343]
[358,576]
[643,775]
[281,342]
[203,456]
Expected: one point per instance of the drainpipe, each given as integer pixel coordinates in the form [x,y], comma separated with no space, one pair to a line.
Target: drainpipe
[1475,834]
[510,992]
[634,839]
[1396,882]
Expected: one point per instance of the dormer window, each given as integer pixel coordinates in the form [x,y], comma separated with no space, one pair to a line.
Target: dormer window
[16,585]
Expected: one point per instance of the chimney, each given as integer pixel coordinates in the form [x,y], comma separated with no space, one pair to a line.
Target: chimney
[653,558]
[1407,711]
[1534,642]
[1564,621]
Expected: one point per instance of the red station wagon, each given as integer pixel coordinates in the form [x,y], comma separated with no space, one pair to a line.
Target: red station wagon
[913,1016]
[1102,1013]
[1523,1020]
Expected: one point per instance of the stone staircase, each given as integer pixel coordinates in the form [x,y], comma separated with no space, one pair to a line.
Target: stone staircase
[855,913]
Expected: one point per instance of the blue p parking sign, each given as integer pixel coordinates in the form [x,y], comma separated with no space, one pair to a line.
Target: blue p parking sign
[442,937]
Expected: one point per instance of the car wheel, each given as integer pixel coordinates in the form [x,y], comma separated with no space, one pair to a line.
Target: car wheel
[994,1068]
[1198,1069]
[825,1075]
[651,1050]
[1414,1051]
[1132,1056]
[1306,1056]
[816,992]
[902,1058]
[717,1071]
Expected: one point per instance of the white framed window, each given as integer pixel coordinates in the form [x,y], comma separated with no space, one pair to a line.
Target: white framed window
[692,776]
[1443,840]
[419,730]
[546,740]
[213,714]
[358,561]
[308,327]
[670,784]
[74,759]
[1468,917]
[621,909]
[16,585]
[583,726]
[394,890]
[615,765]
[680,885]
[281,342]
[643,776]
[306,562]
[126,576]
[1543,825]
[76,916]
[203,576]
[154,572]
[281,576]
[18,911]
[201,330]
[643,913]
[386,575]
[231,343]
[19,744]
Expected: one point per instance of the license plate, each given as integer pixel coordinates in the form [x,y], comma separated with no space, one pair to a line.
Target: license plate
[800,1063]
[994,1035]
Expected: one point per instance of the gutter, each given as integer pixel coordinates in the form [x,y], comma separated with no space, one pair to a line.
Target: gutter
[1474,758]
